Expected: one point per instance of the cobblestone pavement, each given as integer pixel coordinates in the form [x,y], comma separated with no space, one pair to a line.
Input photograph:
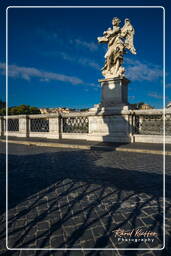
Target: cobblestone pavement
[65,198]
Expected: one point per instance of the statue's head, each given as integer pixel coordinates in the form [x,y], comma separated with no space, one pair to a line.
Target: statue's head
[127,20]
[115,21]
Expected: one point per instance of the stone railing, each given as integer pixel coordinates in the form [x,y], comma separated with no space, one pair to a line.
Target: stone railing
[151,125]
[117,126]
[69,125]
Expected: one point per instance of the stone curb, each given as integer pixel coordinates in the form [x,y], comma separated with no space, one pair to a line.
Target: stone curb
[87,147]
[149,151]
[47,144]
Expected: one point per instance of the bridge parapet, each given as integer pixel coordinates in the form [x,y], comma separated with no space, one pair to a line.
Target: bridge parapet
[124,126]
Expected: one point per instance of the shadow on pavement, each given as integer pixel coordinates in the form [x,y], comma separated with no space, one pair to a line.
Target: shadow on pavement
[70,202]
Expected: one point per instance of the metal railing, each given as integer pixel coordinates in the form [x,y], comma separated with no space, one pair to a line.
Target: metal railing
[168,124]
[77,124]
[12,124]
[151,122]
[39,124]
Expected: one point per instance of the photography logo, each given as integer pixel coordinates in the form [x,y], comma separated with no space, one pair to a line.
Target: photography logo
[135,235]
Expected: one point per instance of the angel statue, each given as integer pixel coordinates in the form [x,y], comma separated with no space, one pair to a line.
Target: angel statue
[118,39]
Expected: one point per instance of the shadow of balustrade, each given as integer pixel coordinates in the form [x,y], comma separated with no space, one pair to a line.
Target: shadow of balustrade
[66,200]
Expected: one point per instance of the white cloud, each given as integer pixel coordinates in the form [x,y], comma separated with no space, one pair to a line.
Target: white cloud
[58,37]
[168,85]
[48,35]
[89,62]
[140,71]
[29,72]
[94,84]
[131,97]
[83,61]
[44,80]
[65,56]
[155,95]
[89,45]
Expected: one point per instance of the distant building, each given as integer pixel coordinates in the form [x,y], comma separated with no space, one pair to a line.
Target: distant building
[168,105]
[43,110]
[141,105]
[54,110]
[145,106]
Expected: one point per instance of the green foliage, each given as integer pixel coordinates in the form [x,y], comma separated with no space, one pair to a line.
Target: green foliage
[20,110]
[2,111]
[2,104]
[84,109]
[136,105]
[34,110]
[139,105]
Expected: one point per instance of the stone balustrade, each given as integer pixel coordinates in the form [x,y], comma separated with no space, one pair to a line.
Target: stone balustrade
[116,126]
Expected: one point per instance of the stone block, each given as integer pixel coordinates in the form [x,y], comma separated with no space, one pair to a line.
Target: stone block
[114,92]
[1,126]
[54,128]
[23,126]
[115,128]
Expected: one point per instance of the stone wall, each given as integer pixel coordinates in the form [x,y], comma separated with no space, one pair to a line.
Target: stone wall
[148,126]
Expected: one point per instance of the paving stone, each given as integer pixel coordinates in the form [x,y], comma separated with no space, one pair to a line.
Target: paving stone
[77,198]
[98,231]
[44,225]
[42,242]
[56,241]
[27,253]
[88,243]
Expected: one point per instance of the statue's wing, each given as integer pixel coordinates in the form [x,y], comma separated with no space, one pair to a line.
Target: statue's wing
[127,32]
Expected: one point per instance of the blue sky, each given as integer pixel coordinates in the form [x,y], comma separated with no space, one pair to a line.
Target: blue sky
[55,59]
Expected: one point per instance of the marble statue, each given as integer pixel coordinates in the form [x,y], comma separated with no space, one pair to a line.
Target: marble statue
[118,40]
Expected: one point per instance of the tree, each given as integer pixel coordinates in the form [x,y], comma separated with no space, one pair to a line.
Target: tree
[84,109]
[20,110]
[140,105]
[2,111]
[2,104]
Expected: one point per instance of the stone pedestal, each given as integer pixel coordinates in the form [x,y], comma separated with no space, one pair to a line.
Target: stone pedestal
[109,120]
[114,92]
[110,125]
